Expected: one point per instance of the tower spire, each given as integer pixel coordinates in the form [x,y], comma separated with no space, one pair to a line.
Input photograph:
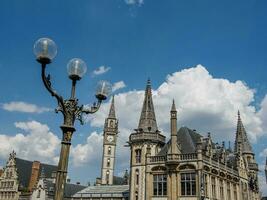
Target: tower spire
[112,113]
[241,141]
[147,121]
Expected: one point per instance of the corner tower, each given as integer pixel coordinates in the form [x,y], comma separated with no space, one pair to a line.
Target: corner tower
[144,142]
[109,146]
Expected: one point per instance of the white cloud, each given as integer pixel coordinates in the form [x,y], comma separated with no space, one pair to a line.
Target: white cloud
[118,85]
[38,142]
[263,153]
[262,184]
[134,2]
[101,70]
[89,152]
[20,106]
[204,103]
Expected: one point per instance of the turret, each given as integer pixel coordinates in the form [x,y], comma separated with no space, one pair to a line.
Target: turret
[146,141]
[174,147]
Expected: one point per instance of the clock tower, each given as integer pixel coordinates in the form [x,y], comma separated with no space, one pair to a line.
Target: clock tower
[109,146]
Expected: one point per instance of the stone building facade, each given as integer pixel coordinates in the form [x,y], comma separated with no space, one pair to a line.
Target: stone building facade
[189,166]
[19,177]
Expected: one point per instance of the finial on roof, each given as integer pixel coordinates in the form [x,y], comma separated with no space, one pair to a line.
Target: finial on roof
[112,109]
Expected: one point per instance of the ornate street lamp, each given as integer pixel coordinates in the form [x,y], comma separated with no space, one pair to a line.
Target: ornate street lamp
[45,50]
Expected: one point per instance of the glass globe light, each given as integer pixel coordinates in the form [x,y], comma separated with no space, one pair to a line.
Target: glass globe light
[103,90]
[45,49]
[76,68]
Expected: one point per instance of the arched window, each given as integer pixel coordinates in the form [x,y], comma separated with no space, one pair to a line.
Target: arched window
[136,195]
[109,150]
[138,153]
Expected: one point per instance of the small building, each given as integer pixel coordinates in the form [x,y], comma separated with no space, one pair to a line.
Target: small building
[20,176]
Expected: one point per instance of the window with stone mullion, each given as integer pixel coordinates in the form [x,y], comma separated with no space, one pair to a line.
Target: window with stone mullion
[188,184]
[159,184]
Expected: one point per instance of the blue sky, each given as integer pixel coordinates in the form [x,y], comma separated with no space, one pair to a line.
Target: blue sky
[135,40]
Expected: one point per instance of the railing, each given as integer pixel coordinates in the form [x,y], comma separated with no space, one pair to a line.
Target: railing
[172,158]
[218,164]
[147,136]
[156,159]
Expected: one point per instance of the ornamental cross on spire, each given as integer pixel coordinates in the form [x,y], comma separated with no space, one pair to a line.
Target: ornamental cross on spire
[147,120]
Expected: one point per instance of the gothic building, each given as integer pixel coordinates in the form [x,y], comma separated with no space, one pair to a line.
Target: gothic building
[188,166]
[20,176]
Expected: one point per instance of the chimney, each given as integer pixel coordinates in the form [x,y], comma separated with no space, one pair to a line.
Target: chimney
[34,175]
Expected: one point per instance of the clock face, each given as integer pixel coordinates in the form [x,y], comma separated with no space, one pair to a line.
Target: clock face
[110,138]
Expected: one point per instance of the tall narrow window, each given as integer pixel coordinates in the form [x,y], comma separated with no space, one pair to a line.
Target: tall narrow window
[188,184]
[228,190]
[137,177]
[107,177]
[235,192]
[160,185]
[136,195]
[108,162]
[213,187]
[206,184]
[109,150]
[39,193]
[138,155]
[221,190]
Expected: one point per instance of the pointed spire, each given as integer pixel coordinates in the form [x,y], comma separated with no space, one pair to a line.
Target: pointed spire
[147,120]
[173,106]
[241,141]
[112,109]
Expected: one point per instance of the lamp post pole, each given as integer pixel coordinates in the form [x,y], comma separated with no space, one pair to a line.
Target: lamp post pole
[45,50]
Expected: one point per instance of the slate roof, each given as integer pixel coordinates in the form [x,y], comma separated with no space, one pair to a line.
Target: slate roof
[104,191]
[69,190]
[118,180]
[24,169]
[187,140]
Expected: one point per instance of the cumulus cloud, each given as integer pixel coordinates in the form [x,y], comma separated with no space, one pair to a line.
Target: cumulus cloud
[134,2]
[101,70]
[89,152]
[20,106]
[37,142]
[118,85]
[204,103]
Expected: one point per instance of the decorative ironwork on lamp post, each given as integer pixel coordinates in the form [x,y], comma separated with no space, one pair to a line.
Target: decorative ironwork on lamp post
[45,50]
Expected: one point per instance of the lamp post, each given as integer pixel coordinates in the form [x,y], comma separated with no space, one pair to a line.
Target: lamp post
[45,50]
